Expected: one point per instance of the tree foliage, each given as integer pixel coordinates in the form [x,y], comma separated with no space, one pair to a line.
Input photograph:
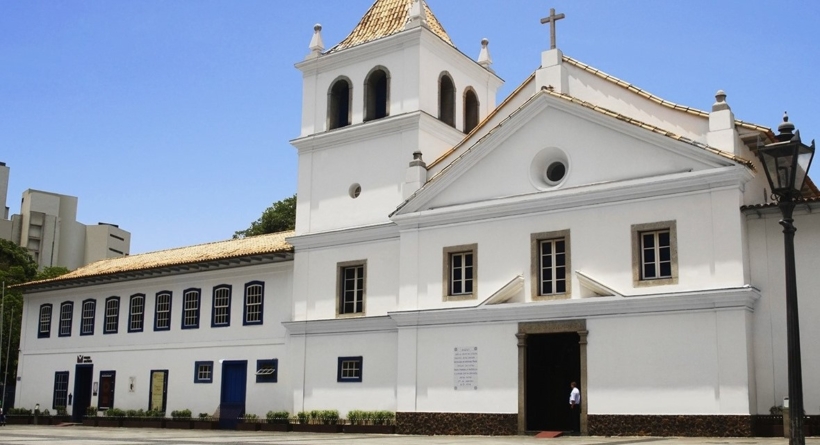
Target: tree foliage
[16,267]
[279,217]
[51,272]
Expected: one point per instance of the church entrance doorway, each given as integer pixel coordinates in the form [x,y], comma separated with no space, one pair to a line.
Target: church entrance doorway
[232,398]
[553,361]
[83,376]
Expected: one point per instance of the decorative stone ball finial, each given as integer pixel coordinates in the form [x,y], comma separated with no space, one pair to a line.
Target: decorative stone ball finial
[484,58]
[720,101]
[316,43]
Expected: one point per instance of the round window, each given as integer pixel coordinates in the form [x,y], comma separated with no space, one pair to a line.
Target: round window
[556,172]
[354,191]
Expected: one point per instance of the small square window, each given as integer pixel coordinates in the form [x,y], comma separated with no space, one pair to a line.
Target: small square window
[654,254]
[267,371]
[460,280]
[349,369]
[203,372]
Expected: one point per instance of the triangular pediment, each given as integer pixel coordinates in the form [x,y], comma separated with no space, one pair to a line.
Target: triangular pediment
[552,146]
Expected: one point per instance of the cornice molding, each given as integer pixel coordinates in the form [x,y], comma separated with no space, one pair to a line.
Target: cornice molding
[339,326]
[578,197]
[707,300]
[352,235]
[358,132]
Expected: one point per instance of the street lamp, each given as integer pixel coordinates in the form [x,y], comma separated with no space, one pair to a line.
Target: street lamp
[786,163]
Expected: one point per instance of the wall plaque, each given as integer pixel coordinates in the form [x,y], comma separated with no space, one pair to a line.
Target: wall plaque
[465,368]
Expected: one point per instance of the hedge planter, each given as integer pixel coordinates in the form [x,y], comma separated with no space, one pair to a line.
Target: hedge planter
[143,422]
[178,424]
[248,426]
[206,424]
[109,422]
[55,420]
[320,428]
[370,429]
[19,420]
[89,421]
[283,426]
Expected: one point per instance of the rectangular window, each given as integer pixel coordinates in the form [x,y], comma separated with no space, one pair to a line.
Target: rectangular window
[89,313]
[550,265]
[203,372]
[60,397]
[221,313]
[44,329]
[351,282]
[267,371]
[190,309]
[66,316]
[162,314]
[460,272]
[254,302]
[654,254]
[112,315]
[136,316]
[349,369]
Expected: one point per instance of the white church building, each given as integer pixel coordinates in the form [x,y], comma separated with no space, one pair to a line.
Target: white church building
[460,261]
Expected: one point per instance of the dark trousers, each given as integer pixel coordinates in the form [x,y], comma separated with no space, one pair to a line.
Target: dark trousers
[575,418]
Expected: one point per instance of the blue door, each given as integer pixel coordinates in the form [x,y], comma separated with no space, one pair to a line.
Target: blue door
[232,399]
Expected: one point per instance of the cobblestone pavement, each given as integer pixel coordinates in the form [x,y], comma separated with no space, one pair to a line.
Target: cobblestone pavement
[78,435]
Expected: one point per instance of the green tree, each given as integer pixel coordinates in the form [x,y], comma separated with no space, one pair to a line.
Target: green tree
[279,217]
[16,267]
[51,272]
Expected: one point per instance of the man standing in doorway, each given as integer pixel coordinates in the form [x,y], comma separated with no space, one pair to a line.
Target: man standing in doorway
[574,408]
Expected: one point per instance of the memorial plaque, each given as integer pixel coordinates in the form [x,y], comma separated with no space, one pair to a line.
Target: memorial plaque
[465,368]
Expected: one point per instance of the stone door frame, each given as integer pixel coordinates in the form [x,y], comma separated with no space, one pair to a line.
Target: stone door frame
[549,327]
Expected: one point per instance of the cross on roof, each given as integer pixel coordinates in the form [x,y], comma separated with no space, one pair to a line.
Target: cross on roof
[551,20]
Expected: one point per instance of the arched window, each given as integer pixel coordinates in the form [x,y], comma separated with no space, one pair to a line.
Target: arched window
[376,97]
[338,101]
[447,100]
[470,110]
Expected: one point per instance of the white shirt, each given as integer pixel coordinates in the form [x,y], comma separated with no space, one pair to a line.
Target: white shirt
[575,397]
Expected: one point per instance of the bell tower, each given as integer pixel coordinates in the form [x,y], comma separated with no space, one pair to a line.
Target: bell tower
[394,86]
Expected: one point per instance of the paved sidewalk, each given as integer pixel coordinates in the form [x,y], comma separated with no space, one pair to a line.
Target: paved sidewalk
[78,435]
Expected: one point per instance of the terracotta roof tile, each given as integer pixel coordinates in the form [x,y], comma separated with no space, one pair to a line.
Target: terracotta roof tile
[658,100]
[385,18]
[256,245]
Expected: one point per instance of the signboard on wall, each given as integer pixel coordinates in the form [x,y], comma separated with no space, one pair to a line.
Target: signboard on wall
[465,368]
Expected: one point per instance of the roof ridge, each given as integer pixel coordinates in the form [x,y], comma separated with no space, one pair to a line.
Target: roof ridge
[657,99]
[385,18]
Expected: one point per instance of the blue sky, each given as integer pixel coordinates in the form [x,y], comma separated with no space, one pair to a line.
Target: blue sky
[172,118]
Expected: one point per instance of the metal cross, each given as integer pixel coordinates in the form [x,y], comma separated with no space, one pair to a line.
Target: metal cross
[551,20]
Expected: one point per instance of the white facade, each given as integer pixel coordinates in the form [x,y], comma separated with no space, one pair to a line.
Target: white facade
[381,252]
[47,227]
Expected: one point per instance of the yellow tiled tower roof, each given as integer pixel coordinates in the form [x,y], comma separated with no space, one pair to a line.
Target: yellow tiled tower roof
[385,18]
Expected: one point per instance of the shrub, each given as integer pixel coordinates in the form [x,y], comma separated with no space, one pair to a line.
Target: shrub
[356,417]
[303,416]
[182,414]
[114,412]
[204,416]
[19,412]
[154,413]
[91,411]
[277,416]
[135,413]
[329,416]
[250,418]
[61,411]
[45,413]
[776,410]
[383,417]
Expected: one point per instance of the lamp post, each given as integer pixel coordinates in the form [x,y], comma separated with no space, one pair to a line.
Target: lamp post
[786,163]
